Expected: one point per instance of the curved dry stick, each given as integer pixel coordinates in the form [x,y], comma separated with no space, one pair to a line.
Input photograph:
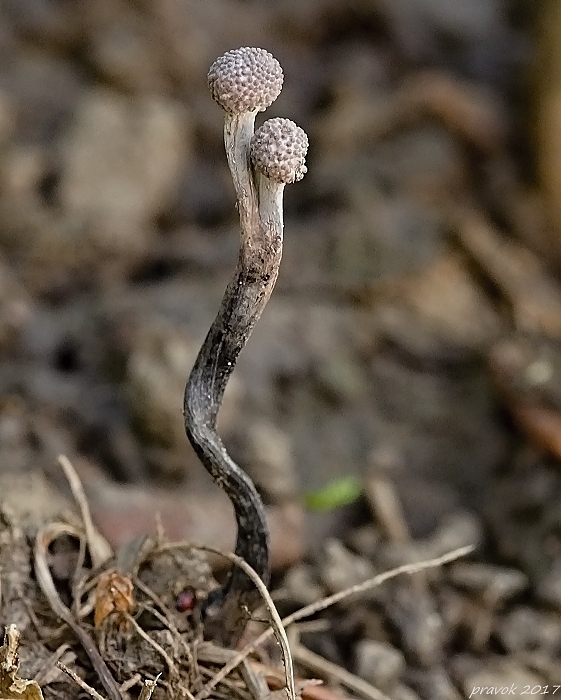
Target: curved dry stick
[276,622]
[325,603]
[44,538]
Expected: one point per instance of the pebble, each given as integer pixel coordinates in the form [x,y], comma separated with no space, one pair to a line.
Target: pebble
[403,692]
[269,458]
[434,684]
[420,625]
[156,368]
[528,629]
[301,586]
[443,314]
[378,663]
[455,530]
[365,540]
[496,673]
[121,162]
[341,569]
[495,583]
[549,588]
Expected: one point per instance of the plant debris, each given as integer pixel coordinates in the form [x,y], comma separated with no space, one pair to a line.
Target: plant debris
[11,685]
[167,649]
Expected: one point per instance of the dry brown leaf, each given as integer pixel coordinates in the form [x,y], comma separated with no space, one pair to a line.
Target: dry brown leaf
[13,687]
[114,593]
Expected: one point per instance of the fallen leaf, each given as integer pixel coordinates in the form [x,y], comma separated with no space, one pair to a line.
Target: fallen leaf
[114,593]
[13,687]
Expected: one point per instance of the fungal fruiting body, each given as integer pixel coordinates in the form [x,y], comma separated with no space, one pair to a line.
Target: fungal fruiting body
[278,150]
[243,82]
[278,153]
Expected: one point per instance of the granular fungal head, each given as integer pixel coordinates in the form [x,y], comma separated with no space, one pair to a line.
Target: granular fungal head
[245,80]
[278,150]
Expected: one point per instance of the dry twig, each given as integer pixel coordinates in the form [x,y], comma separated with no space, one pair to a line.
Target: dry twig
[318,664]
[276,623]
[162,652]
[148,688]
[44,538]
[76,678]
[166,619]
[319,605]
[130,683]
[43,675]
[99,549]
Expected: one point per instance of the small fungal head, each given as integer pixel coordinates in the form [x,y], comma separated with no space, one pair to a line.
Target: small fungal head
[245,80]
[278,150]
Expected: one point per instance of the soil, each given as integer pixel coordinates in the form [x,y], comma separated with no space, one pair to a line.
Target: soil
[413,343]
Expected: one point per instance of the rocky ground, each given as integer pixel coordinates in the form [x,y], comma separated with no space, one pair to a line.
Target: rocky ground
[413,340]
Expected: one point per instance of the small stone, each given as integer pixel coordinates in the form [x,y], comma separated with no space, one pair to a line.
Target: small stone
[404,692]
[270,462]
[549,588]
[378,663]
[420,625]
[301,586]
[435,684]
[17,310]
[494,583]
[441,311]
[496,673]
[156,371]
[365,540]
[457,530]
[341,568]
[528,629]
[121,164]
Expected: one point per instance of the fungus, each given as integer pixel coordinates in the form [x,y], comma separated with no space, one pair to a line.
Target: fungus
[243,82]
[278,153]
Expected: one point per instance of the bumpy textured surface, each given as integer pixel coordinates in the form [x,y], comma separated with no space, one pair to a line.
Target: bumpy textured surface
[278,150]
[245,80]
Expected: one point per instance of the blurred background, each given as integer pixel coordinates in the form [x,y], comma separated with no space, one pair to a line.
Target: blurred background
[401,394]
[414,332]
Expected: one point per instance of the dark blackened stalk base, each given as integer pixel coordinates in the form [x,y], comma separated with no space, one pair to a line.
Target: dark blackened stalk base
[241,307]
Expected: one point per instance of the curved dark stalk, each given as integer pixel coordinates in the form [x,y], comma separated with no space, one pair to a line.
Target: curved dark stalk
[244,300]
[243,81]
